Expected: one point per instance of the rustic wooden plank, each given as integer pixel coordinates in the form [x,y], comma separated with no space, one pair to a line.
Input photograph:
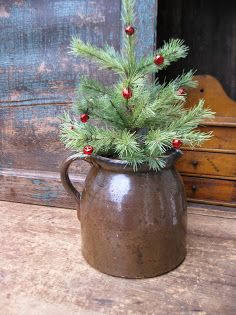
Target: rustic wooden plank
[42,270]
[35,65]
[223,138]
[30,138]
[146,12]
[40,69]
[34,187]
[211,210]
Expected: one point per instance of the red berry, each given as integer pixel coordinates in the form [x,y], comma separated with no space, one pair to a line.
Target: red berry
[181,92]
[158,60]
[130,30]
[84,118]
[176,144]
[127,93]
[88,150]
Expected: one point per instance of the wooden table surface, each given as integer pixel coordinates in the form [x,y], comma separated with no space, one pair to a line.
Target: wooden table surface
[42,271]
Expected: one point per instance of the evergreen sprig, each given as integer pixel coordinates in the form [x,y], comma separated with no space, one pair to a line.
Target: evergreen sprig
[140,129]
[107,57]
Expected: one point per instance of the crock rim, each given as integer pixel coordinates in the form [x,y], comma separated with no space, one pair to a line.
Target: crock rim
[105,162]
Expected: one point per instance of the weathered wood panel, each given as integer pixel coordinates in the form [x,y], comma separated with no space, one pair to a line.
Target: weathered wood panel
[42,270]
[35,187]
[30,138]
[35,36]
[38,80]
[35,65]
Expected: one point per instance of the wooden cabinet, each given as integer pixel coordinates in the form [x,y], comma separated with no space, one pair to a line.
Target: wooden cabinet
[209,172]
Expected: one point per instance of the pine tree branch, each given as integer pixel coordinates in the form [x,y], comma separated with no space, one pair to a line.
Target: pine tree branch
[104,110]
[76,136]
[194,138]
[119,114]
[141,129]
[128,12]
[155,103]
[186,80]
[171,51]
[128,51]
[158,141]
[108,58]
[191,119]
[90,86]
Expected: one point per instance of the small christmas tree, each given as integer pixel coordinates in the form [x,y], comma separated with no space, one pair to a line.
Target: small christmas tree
[141,121]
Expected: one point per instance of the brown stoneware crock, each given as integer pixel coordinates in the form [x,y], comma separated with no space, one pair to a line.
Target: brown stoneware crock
[133,224]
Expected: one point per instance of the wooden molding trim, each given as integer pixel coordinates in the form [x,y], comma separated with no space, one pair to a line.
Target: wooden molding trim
[210,150]
[233,178]
[210,89]
[42,188]
[209,202]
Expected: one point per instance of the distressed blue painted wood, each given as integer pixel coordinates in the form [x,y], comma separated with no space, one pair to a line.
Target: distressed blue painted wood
[147,20]
[38,80]
[35,35]
[146,17]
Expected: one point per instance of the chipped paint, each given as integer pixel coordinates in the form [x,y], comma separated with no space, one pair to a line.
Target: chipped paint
[3,12]
[43,68]
[146,27]
[46,196]
[14,95]
[41,31]
[44,192]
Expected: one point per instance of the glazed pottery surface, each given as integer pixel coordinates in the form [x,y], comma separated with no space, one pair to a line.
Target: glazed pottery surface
[133,224]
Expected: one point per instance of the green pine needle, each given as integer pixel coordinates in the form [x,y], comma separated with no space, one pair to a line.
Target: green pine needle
[139,130]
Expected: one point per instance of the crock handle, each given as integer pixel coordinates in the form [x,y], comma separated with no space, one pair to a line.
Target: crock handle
[65,179]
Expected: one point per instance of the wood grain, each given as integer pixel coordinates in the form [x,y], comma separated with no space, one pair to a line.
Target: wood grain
[208,163]
[219,190]
[34,187]
[35,65]
[215,98]
[42,270]
[223,139]
[215,160]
